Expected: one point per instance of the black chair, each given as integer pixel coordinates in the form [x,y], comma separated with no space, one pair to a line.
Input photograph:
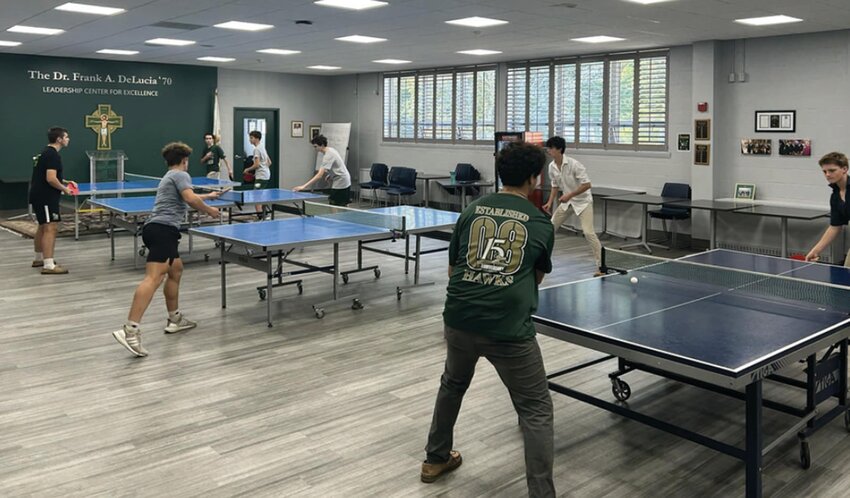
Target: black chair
[671,212]
[464,172]
[377,179]
[401,181]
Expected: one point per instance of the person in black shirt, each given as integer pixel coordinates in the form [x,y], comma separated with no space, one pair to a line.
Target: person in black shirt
[834,166]
[46,187]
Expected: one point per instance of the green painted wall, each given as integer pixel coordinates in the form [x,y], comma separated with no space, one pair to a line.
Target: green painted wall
[159,103]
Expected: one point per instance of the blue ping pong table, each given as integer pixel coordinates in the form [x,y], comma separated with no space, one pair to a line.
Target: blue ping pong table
[266,246]
[720,320]
[130,213]
[135,186]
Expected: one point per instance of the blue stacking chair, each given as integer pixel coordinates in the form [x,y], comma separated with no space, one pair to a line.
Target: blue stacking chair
[377,179]
[670,212]
[401,182]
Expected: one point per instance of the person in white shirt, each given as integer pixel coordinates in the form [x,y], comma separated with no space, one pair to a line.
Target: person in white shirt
[333,169]
[570,177]
[261,166]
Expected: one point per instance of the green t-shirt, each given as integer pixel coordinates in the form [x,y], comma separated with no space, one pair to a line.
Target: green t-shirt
[217,155]
[498,244]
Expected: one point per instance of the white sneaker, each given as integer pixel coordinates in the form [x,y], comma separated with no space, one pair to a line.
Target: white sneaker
[179,326]
[130,340]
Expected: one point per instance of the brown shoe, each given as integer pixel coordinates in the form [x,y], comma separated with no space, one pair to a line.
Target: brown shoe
[57,270]
[599,274]
[38,263]
[432,471]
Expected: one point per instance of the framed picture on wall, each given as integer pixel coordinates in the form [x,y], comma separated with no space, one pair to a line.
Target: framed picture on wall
[702,154]
[297,129]
[702,129]
[756,146]
[776,121]
[745,191]
[684,141]
[795,147]
[315,131]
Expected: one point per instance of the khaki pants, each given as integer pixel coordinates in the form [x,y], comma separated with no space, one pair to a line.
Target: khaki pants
[559,216]
[847,259]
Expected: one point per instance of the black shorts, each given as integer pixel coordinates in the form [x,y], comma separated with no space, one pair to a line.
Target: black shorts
[161,241]
[46,211]
[339,196]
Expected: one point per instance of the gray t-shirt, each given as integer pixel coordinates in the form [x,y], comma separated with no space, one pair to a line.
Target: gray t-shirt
[170,208]
[263,172]
[335,166]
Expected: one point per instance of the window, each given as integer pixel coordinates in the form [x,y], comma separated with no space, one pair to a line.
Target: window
[447,105]
[613,102]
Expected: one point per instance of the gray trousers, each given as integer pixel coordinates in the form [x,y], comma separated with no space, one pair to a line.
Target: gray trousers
[520,366]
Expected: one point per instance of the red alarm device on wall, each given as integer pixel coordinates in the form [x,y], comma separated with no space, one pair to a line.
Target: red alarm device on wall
[702,106]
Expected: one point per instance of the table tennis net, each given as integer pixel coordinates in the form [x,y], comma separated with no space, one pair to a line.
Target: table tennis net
[133,177]
[764,285]
[369,218]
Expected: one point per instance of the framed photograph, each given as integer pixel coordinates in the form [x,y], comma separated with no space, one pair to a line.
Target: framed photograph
[297,130]
[776,121]
[684,141]
[795,147]
[315,131]
[745,191]
[756,146]
[702,129]
[702,154]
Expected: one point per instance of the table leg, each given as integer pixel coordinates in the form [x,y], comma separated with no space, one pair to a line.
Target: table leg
[754,440]
[784,223]
[336,269]
[712,230]
[269,287]
[223,275]
[427,191]
[135,235]
[77,218]
[604,216]
[416,261]
[406,254]
[112,235]
[643,230]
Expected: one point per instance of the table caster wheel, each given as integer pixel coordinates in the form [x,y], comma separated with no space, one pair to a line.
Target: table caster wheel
[262,293]
[805,454]
[345,279]
[320,313]
[206,258]
[377,273]
[621,389]
[356,304]
[398,293]
[300,289]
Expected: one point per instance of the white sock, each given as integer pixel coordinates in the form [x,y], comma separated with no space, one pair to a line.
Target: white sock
[39,256]
[130,324]
[49,264]
[174,316]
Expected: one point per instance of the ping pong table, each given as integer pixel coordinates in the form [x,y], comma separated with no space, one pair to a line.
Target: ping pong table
[720,320]
[130,213]
[135,184]
[266,246]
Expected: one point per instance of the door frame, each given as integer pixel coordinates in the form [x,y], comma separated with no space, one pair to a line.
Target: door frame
[274,153]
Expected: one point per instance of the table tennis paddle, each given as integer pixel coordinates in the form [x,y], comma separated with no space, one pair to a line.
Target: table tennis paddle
[73,187]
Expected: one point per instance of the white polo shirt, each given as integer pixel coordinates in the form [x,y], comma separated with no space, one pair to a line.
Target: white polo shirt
[568,177]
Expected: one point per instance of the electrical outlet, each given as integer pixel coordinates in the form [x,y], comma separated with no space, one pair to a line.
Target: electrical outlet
[742,77]
[731,77]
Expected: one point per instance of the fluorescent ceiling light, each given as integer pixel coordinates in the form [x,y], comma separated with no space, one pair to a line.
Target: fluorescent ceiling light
[479,51]
[392,61]
[766,21]
[110,51]
[90,9]
[351,4]
[598,39]
[278,51]
[9,43]
[324,68]
[32,30]
[243,26]
[647,2]
[216,59]
[171,42]
[361,39]
[477,22]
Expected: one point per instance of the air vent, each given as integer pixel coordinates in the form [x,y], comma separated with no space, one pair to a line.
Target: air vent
[304,22]
[177,25]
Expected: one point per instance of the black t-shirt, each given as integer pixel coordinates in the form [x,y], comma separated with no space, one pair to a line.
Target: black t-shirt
[839,211]
[40,190]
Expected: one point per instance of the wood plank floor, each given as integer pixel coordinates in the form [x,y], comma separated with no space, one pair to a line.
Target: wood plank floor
[333,407]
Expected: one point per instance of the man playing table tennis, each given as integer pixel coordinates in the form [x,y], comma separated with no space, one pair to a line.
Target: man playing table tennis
[834,166]
[499,252]
[333,169]
[161,235]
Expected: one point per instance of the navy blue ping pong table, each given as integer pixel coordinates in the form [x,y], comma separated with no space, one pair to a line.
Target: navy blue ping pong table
[130,213]
[265,246]
[720,320]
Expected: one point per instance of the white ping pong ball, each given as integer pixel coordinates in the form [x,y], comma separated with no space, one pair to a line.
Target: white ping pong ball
[633,280]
